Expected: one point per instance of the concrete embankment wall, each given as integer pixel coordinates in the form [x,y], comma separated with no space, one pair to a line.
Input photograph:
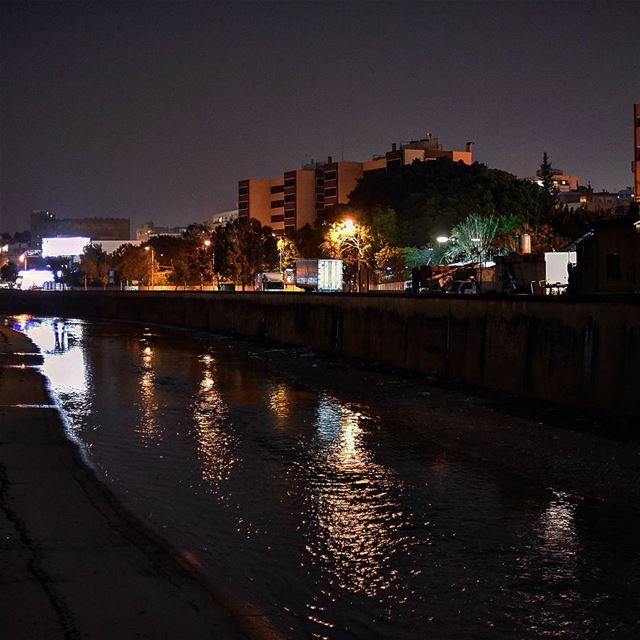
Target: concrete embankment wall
[580,352]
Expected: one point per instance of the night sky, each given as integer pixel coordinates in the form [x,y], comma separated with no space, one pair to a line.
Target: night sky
[154,110]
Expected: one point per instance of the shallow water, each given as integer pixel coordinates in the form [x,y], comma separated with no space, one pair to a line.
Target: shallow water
[315,510]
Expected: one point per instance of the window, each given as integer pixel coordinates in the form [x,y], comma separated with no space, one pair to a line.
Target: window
[290,198]
[290,213]
[613,266]
[329,193]
[243,191]
[278,189]
[277,218]
[330,175]
[290,182]
[319,182]
[320,197]
[243,205]
[276,204]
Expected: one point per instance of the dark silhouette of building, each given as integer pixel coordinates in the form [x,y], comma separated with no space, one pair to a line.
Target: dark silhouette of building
[609,257]
[44,224]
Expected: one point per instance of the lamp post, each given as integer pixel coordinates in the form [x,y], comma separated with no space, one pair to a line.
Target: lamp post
[207,245]
[147,248]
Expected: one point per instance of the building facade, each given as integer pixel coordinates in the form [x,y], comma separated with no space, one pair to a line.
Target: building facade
[609,257]
[302,196]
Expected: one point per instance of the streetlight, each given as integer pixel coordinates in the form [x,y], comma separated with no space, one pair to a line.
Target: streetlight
[152,261]
[207,245]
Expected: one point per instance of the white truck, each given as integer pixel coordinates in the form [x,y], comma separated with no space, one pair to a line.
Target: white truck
[319,275]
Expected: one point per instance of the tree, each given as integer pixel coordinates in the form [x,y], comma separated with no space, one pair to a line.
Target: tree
[472,240]
[308,241]
[287,252]
[132,263]
[9,272]
[95,264]
[179,274]
[353,243]
[244,248]
[549,194]
[429,198]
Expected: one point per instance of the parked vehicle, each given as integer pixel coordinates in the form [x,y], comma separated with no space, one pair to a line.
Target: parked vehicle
[319,275]
[461,287]
[269,281]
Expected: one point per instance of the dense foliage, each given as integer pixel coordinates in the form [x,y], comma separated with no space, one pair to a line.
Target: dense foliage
[430,198]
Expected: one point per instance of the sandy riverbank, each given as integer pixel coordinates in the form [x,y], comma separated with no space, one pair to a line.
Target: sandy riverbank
[72,563]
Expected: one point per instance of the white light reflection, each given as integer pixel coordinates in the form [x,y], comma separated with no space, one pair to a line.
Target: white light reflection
[65,366]
[559,537]
[215,443]
[357,521]
[147,427]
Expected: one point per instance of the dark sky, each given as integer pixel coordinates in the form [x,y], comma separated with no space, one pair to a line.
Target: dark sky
[154,110]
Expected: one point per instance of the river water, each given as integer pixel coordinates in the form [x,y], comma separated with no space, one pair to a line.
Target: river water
[321,514]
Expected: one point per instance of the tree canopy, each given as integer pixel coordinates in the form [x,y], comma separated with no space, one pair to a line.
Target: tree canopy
[430,198]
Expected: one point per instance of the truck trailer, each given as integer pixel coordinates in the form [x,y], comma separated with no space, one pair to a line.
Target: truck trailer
[319,275]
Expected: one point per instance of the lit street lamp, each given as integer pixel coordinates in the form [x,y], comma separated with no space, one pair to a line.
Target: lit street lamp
[207,245]
[152,261]
[351,230]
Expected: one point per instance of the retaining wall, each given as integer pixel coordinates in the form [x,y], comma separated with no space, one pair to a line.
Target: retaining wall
[573,352]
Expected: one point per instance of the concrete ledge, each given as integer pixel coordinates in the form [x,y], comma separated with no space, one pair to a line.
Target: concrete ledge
[583,352]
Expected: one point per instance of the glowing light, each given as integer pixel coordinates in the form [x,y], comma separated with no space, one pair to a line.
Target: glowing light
[442,239]
[216,443]
[64,247]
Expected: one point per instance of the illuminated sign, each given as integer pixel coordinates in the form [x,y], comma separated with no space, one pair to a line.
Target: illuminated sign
[57,247]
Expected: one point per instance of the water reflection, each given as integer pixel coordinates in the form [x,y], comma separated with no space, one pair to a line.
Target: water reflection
[558,532]
[356,520]
[215,443]
[147,427]
[363,531]
[64,363]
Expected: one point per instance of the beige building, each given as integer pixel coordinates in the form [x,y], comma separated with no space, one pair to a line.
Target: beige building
[301,196]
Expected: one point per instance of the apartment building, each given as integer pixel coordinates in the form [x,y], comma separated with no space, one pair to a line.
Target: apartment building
[284,204]
[302,196]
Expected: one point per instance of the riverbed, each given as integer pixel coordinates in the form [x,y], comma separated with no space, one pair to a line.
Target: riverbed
[323,509]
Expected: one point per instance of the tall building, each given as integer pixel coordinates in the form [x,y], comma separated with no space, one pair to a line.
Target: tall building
[636,151]
[301,197]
